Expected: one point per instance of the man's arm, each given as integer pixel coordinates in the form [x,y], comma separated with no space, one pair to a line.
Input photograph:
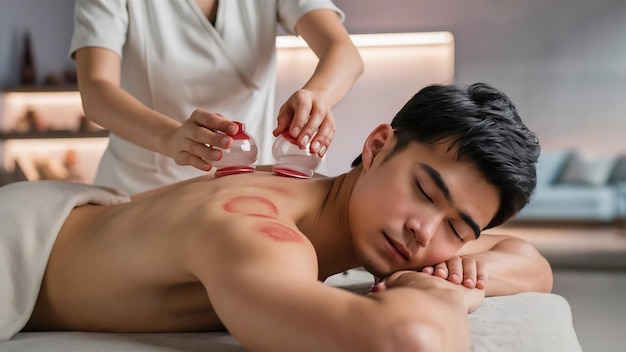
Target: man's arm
[261,277]
[512,265]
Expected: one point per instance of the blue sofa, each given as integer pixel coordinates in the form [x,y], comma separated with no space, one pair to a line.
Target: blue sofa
[572,187]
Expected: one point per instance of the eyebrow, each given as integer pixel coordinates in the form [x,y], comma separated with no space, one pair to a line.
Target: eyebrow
[438,180]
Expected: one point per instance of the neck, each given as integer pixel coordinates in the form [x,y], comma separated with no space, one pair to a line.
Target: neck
[328,225]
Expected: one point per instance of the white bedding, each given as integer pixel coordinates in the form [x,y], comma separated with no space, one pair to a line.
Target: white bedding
[524,322]
[533,322]
[31,215]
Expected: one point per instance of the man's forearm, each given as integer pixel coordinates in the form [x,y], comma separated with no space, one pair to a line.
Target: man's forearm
[513,266]
[433,311]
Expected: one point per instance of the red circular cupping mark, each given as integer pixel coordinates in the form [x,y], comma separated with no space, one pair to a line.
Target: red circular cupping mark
[251,205]
[279,232]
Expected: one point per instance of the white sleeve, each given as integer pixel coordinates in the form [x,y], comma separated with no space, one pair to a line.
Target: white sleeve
[290,11]
[101,23]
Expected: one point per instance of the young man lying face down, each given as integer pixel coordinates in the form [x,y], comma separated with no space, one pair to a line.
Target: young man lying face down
[249,252]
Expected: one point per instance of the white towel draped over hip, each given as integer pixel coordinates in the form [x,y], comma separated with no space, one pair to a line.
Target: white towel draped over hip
[31,215]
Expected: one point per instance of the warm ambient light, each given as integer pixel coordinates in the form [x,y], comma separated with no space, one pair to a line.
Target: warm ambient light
[43,98]
[383,39]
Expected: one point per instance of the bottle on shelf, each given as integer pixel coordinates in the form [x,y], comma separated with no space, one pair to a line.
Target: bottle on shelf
[291,159]
[28,74]
[71,164]
[239,157]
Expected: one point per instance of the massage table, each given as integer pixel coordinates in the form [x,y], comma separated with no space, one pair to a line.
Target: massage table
[531,322]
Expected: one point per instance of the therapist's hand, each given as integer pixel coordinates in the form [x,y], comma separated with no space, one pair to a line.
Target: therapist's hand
[192,143]
[305,113]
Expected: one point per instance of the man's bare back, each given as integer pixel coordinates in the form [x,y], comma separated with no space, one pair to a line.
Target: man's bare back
[125,267]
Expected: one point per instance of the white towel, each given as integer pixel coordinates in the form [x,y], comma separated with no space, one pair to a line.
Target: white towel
[31,215]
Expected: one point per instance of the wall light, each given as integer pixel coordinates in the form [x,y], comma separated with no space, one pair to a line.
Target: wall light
[43,98]
[380,40]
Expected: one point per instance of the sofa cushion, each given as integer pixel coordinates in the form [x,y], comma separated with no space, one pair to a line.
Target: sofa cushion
[619,171]
[590,171]
[550,165]
[572,202]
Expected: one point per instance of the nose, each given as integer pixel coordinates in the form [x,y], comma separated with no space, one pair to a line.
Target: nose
[424,227]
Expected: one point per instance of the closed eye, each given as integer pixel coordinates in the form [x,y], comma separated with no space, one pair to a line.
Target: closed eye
[454,231]
[423,193]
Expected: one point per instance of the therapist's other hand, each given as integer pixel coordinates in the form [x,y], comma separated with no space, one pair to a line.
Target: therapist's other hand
[192,143]
[305,113]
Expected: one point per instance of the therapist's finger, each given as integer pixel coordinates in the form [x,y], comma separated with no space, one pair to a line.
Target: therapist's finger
[209,128]
[199,163]
[316,115]
[195,154]
[285,114]
[204,152]
[300,117]
[294,107]
[302,104]
[186,158]
[324,136]
[214,121]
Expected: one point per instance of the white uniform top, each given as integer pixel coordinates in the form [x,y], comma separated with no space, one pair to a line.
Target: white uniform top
[175,61]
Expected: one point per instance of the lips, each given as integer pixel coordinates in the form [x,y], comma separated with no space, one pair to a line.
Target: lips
[398,247]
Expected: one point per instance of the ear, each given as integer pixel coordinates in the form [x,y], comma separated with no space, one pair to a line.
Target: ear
[379,139]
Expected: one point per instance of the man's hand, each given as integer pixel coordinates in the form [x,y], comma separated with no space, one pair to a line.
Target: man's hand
[423,281]
[463,269]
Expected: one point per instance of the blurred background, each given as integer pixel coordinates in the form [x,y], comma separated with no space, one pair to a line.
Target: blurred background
[562,62]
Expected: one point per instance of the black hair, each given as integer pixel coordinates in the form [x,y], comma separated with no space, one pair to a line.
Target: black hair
[483,125]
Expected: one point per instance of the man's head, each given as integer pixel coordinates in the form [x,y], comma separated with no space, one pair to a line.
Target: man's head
[482,125]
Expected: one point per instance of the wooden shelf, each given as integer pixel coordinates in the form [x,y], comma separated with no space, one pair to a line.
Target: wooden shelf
[41,88]
[53,135]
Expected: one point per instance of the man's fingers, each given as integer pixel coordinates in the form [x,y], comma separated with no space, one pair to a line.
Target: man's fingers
[428,270]
[481,276]
[442,270]
[460,270]
[455,270]
[469,272]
